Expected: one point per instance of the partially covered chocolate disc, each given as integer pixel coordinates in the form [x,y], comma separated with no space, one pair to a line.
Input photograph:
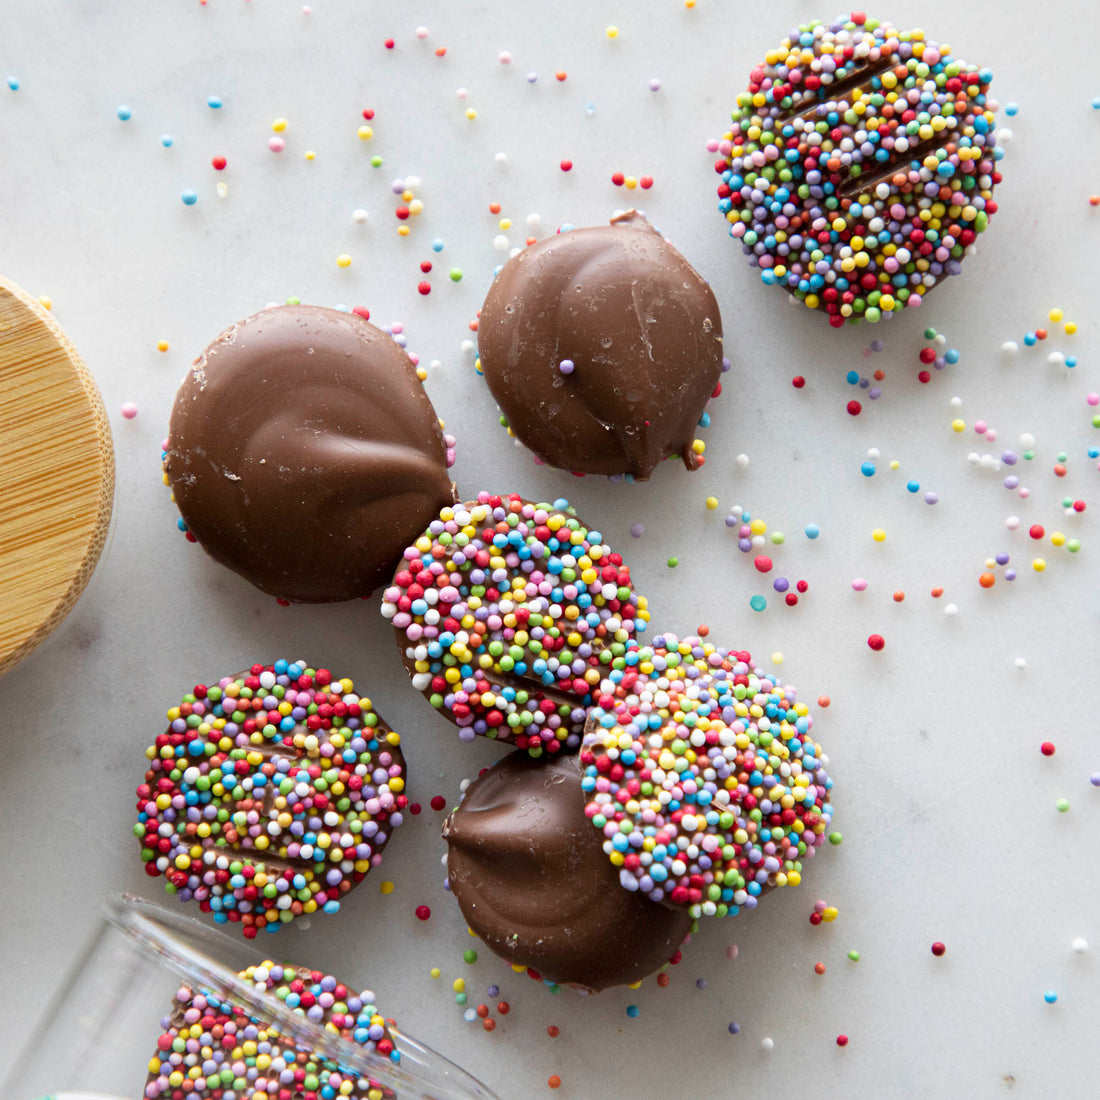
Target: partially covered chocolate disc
[304,454]
[602,346]
[532,880]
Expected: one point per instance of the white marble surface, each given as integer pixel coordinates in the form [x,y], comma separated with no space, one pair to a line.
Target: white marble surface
[947,807]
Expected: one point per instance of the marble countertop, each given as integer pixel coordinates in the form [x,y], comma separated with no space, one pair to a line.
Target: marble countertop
[948,808]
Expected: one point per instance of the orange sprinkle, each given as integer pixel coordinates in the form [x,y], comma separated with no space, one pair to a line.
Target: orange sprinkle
[880,375]
[823,701]
[561,74]
[504,1008]
[440,51]
[1059,470]
[489,1025]
[703,630]
[663,980]
[494,208]
[937,592]
[987,580]
[1040,334]
[553,1031]
[899,596]
[1094,200]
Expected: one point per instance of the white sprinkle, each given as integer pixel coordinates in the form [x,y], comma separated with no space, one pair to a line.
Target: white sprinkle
[534,221]
[951,609]
[956,402]
[466,347]
[501,243]
[1013,523]
[501,158]
[1010,347]
[768,1043]
[742,460]
[873,452]
[359,216]
[421,32]
[1079,946]
[1057,358]
[505,58]
[1027,440]
[412,183]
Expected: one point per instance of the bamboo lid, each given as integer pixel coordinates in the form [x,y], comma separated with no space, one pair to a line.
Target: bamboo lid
[57,474]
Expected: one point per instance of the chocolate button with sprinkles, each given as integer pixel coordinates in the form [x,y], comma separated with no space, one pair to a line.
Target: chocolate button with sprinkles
[508,615]
[270,795]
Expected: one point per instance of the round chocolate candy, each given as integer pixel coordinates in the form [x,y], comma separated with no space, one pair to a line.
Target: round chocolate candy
[508,614]
[702,778]
[270,795]
[208,1043]
[532,880]
[860,166]
[304,454]
[602,346]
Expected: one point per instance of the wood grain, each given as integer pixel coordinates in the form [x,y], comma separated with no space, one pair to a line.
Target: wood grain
[57,474]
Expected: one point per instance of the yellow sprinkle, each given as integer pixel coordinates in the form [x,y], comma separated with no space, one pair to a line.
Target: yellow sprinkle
[698,446]
[162,345]
[310,155]
[343,260]
[894,464]
[279,125]
[712,503]
[878,534]
[612,32]
[386,887]
[631,182]
[777,658]
[1058,538]
[1055,314]
[365,133]
[758,527]
[1071,328]
[435,972]
[458,985]
[958,425]
[1038,565]
[505,223]
[471,113]
[416,207]
[402,230]
[829,914]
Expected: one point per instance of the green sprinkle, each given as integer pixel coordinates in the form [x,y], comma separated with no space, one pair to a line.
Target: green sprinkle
[778,538]
[853,955]
[758,603]
[469,955]
[835,838]
[673,562]
[376,162]
[930,334]
[456,274]
[1063,805]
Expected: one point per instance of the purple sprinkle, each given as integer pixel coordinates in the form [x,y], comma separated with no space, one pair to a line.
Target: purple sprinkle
[1008,458]
[931,497]
[734,1028]
[566,366]
[781,584]
[877,345]
[874,393]
[1002,558]
[1011,481]
[1094,779]
[637,530]
[1010,574]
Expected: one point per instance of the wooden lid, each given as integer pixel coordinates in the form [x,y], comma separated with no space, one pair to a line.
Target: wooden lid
[57,474]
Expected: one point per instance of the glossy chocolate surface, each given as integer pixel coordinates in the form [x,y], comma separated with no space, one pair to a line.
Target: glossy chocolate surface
[304,453]
[532,880]
[641,330]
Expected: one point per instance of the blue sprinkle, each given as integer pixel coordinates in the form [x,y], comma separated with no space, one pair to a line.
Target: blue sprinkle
[852,377]
[632,1011]
[1071,360]
[951,355]
[913,486]
[1030,339]
[1096,102]
[13,83]
[812,530]
[1050,996]
[437,244]
[758,603]
[124,113]
[1011,108]
[189,198]
[214,101]
[867,469]
[166,140]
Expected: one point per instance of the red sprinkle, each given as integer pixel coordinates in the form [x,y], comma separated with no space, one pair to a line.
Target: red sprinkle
[938,949]
[645,182]
[876,642]
[566,165]
[389,43]
[423,912]
[763,563]
[218,163]
[854,408]
[617,178]
[1047,748]
[842,1040]
[425,287]
[438,802]
[1036,531]
[425,266]
[798,381]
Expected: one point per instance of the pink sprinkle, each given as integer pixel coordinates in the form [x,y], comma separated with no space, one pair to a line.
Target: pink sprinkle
[859,584]
[980,426]
[276,144]
[712,145]
[1093,399]
[129,410]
